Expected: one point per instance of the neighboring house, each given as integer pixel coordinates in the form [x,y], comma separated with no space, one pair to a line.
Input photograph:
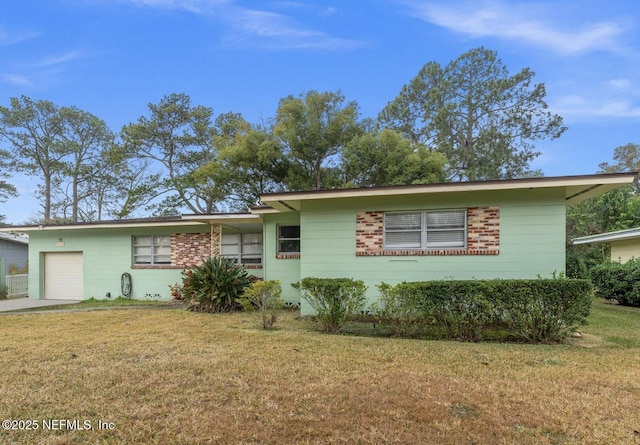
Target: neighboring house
[490,229]
[625,244]
[14,251]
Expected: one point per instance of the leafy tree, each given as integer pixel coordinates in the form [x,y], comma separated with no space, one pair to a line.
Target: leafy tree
[117,185]
[7,190]
[627,159]
[85,168]
[618,209]
[177,139]
[34,128]
[483,120]
[313,129]
[250,163]
[386,158]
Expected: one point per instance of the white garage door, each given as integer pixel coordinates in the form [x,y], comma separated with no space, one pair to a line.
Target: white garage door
[63,276]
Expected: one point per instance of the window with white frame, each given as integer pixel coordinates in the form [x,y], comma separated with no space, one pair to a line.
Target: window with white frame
[288,239]
[425,230]
[243,248]
[152,249]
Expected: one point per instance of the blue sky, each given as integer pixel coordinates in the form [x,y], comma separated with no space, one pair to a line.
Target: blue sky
[114,57]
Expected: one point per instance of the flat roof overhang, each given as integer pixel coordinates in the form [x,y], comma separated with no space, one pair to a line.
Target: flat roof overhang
[230,219]
[99,225]
[224,218]
[576,189]
[619,235]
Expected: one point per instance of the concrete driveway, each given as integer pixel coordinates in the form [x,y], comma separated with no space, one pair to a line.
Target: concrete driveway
[16,304]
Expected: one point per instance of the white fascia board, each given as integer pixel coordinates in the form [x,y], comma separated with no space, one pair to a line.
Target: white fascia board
[608,237]
[27,229]
[576,189]
[223,218]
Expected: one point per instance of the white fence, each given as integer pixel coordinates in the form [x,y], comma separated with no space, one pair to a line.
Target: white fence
[17,285]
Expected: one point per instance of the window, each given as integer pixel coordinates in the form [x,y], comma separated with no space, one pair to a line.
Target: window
[288,239]
[243,248]
[425,230]
[152,249]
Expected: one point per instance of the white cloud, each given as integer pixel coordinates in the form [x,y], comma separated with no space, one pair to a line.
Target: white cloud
[39,73]
[580,108]
[258,27]
[195,6]
[525,22]
[16,79]
[329,11]
[272,30]
[58,59]
[12,38]
[611,98]
[620,83]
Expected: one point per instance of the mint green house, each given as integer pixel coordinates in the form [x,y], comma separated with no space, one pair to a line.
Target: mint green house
[489,229]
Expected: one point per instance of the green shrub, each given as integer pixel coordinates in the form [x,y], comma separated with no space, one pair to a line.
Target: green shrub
[464,316]
[541,310]
[544,310]
[333,299]
[618,281]
[4,292]
[460,308]
[214,286]
[397,310]
[263,297]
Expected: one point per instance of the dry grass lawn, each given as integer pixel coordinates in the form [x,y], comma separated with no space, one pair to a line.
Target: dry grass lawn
[176,377]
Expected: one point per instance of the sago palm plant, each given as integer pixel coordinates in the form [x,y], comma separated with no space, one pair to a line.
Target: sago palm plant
[215,285]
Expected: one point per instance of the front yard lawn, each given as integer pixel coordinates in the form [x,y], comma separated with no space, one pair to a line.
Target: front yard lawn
[178,377]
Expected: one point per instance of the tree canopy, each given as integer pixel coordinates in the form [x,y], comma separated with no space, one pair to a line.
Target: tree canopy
[483,120]
[468,120]
[313,128]
[34,130]
[618,209]
[176,139]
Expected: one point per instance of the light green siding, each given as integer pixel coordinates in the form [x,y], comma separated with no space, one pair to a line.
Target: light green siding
[532,243]
[286,270]
[107,254]
[532,239]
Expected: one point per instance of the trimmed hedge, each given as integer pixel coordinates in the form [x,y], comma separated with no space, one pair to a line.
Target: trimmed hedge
[537,311]
[334,299]
[618,281]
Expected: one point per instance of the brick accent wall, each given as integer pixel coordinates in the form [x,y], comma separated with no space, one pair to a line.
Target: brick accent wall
[483,235]
[216,240]
[190,249]
[483,229]
[369,233]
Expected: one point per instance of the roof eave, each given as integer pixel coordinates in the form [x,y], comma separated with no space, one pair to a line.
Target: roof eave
[609,237]
[577,188]
[27,229]
[224,218]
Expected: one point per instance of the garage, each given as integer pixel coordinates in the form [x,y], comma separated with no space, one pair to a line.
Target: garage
[63,276]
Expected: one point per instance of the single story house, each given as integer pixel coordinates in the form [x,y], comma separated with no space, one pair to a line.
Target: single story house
[625,244]
[464,230]
[14,251]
